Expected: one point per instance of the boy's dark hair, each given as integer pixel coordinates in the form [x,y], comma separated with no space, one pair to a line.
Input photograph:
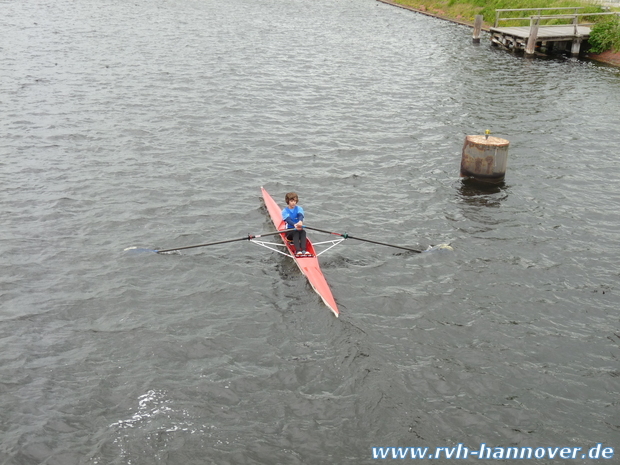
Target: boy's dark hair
[290,196]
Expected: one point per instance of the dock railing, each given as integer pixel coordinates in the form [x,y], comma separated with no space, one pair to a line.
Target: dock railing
[538,12]
[574,17]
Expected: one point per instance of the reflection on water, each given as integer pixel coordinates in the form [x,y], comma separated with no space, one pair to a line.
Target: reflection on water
[481,194]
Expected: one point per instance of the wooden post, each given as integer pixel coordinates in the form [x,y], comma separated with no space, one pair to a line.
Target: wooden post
[531,41]
[575,25]
[576,47]
[574,51]
[477,29]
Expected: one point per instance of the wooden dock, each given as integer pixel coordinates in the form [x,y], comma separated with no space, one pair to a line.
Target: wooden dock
[548,37]
[540,34]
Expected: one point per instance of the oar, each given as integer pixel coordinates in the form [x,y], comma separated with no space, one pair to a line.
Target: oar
[249,237]
[349,236]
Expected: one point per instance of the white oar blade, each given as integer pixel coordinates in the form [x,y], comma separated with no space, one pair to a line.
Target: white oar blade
[439,248]
[137,250]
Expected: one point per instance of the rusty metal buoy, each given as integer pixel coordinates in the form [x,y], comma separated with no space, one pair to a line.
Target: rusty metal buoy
[484,158]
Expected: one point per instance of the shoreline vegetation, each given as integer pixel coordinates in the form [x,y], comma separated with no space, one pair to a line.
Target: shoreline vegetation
[464,11]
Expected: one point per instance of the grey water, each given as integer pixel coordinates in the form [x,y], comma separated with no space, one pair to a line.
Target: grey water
[153,124]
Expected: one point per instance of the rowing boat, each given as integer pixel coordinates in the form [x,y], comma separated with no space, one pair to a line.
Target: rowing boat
[309,266]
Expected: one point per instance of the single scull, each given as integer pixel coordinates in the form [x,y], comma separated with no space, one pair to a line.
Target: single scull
[309,266]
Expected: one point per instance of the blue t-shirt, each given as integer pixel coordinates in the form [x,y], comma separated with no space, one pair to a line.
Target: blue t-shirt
[292,216]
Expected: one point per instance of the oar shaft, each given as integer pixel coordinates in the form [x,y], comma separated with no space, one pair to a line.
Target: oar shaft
[388,245]
[326,232]
[348,236]
[204,245]
[246,238]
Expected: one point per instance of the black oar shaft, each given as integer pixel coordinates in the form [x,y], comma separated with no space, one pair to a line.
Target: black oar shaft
[348,236]
[204,245]
[246,238]
[388,245]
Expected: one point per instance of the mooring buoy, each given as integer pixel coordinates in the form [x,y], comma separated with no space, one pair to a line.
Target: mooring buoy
[484,158]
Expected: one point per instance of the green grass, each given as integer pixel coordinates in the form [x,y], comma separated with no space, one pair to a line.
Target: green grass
[467,10]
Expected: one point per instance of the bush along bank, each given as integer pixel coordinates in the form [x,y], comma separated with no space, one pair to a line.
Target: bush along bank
[605,36]
[605,42]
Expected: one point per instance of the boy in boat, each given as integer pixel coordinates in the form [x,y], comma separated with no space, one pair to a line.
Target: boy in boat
[293,215]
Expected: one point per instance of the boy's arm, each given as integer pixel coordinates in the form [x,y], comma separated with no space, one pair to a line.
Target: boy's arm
[286,216]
